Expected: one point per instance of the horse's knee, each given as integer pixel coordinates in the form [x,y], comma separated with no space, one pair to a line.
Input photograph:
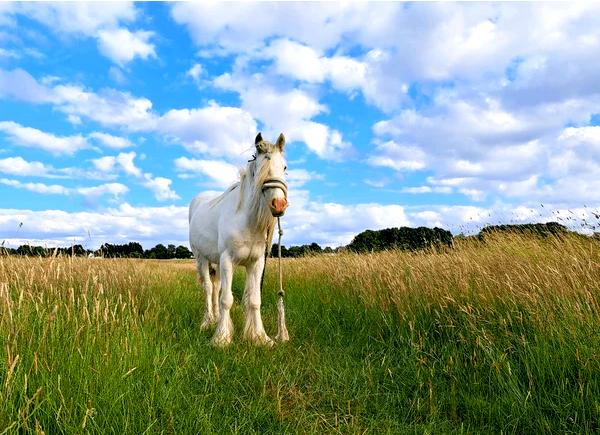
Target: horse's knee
[226,300]
[252,301]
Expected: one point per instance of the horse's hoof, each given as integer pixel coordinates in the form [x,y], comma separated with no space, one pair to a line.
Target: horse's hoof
[206,324]
[221,340]
[264,340]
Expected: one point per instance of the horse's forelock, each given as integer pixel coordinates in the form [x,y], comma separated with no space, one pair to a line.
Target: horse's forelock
[264,147]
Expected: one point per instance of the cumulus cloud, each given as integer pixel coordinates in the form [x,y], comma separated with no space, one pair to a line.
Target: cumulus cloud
[22,167]
[80,18]
[310,65]
[102,21]
[494,150]
[34,138]
[122,45]
[397,156]
[110,141]
[213,130]
[107,107]
[113,189]
[58,145]
[122,224]
[195,72]
[221,173]
[160,186]
[288,110]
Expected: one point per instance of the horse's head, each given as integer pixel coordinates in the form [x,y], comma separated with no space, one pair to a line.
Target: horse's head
[271,176]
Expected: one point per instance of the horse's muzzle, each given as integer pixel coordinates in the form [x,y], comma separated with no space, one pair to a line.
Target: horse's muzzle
[277,205]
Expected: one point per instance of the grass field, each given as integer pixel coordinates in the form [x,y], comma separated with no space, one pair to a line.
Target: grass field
[501,337]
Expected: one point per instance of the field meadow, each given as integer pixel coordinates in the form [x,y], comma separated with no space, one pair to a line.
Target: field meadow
[494,337]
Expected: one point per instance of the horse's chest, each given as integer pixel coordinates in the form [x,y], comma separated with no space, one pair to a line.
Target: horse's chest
[245,251]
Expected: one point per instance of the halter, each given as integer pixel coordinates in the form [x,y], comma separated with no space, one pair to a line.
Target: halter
[276,183]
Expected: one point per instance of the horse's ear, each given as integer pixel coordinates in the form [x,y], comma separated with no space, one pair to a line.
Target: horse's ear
[258,139]
[280,142]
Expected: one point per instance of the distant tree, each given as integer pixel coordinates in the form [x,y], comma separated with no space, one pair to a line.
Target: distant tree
[158,252]
[34,251]
[405,238]
[7,251]
[183,252]
[539,229]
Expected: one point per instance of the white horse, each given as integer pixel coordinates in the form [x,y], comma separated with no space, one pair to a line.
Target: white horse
[237,228]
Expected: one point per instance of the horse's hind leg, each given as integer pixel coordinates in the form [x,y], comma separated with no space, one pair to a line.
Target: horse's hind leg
[224,331]
[203,270]
[215,277]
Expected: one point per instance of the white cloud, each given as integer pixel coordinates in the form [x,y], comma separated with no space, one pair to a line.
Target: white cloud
[125,160]
[8,53]
[125,223]
[244,28]
[161,187]
[195,71]
[426,189]
[102,21]
[20,85]
[23,168]
[114,189]
[117,75]
[397,156]
[109,107]
[213,130]
[288,111]
[53,189]
[297,178]
[20,166]
[310,65]
[111,141]
[80,18]
[122,45]
[105,164]
[221,173]
[34,138]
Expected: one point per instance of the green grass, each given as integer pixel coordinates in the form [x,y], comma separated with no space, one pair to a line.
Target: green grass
[384,343]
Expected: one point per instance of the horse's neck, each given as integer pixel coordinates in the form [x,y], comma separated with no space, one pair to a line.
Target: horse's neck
[252,204]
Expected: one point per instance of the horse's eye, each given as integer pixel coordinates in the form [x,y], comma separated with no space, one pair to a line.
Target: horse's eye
[285,168]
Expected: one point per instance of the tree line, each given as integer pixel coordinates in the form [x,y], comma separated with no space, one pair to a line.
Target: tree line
[403,238]
[109,250]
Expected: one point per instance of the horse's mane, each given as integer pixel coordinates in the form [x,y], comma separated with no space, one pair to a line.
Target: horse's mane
[216,201]
[252,177]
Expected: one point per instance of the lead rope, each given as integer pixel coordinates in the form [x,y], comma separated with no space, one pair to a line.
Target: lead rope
[282,332]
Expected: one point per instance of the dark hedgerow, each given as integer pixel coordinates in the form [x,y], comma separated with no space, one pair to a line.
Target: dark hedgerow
[539,229]
[404,238]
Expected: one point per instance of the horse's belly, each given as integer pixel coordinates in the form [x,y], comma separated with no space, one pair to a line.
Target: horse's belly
[204,236]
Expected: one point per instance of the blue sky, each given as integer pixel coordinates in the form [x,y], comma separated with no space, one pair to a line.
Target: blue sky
[114,116]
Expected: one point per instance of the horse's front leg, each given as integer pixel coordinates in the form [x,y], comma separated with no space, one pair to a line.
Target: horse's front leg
[224,330]
[253,328]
